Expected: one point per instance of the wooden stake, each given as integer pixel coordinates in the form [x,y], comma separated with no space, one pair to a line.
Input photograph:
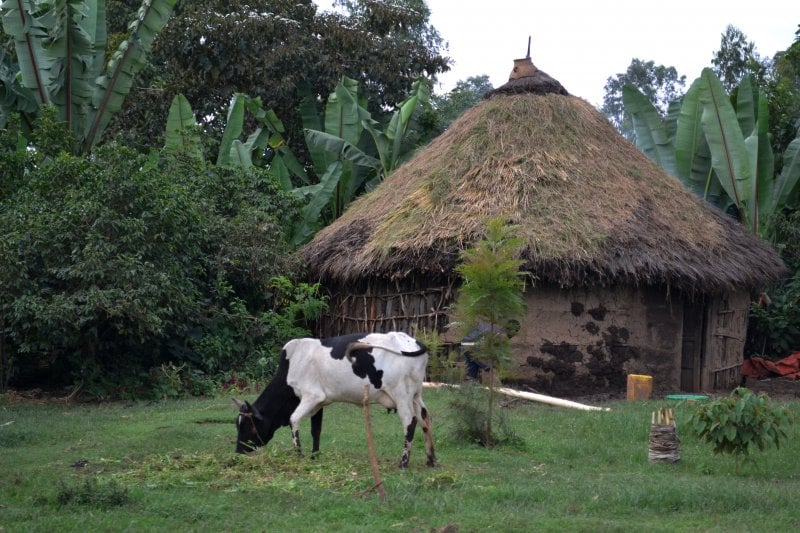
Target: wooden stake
[373,460]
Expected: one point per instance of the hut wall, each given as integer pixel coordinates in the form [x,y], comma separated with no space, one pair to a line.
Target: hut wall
[587,341]
[572,342]
[377,305]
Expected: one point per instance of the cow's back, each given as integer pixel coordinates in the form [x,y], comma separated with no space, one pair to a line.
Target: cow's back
[319,367]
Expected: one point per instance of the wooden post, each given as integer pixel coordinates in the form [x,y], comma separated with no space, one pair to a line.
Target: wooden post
[373,460]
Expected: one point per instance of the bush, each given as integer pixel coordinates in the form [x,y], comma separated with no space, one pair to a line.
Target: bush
[774,329]
[122,262]
[470,417]
[739,423]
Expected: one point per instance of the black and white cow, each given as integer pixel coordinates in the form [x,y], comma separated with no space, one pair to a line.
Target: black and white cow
[313,373]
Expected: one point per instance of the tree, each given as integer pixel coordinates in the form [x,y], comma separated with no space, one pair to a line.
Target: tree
[279,51]
[783,90]
[119,262]
[491,294]
[61,62]
[719,147]
[660,84]
[349,150]
[466,94]
[736,58]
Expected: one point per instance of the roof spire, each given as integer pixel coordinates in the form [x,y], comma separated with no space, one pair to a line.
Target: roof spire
[524,67]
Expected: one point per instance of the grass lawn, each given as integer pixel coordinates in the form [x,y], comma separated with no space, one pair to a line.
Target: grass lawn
[170,466]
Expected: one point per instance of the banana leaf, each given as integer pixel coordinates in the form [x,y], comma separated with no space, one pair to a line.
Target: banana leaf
[13,96]
[729,155]
[181,131]
[234,125]
[28,33]
[747,105]
[321,195]
[671,120]
[652,136]
[764,172]
[786,189]
[342,149]
[73,53]
[112,88]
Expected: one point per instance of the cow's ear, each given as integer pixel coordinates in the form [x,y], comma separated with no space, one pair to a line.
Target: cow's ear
[239,403]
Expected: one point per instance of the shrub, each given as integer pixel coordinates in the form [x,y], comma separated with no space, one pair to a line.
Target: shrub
[740,422]
[122,262]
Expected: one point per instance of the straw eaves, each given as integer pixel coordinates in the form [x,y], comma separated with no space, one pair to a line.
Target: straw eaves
[591,208]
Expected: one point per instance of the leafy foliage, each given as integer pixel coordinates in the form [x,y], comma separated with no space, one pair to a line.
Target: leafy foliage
[278,51]
[466,94]
[774,330]
[119,263]
[660,84]
[736,58]
[719,147]
[738,423]
[470,419]
[61,62]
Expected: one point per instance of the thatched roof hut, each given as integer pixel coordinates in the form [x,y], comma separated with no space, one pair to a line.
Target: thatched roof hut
[595,213]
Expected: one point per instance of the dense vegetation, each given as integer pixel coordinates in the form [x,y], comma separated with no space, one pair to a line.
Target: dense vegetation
[123,262]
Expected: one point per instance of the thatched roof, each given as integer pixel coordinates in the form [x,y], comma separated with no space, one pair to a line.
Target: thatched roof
[590,206]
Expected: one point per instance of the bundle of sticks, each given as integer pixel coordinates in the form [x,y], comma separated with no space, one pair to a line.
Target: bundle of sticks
[664,441]
[664,417]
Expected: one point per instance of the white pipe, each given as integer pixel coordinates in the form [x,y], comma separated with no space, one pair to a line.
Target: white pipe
[532,396]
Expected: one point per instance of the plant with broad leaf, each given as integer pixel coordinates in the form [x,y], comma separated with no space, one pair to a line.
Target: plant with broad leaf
[739,423]
[61,62]
[719,147]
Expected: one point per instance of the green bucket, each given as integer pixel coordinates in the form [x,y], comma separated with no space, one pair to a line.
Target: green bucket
[687,397]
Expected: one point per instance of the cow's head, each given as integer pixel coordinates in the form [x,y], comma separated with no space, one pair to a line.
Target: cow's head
[250,428]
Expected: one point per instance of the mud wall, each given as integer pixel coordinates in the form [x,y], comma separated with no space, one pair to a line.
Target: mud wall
[588,341]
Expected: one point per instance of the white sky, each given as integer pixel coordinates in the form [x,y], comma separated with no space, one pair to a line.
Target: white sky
[582,43]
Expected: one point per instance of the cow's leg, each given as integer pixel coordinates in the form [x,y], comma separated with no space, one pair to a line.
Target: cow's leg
[427,429]
[306,407]
[316,430]
[406,414]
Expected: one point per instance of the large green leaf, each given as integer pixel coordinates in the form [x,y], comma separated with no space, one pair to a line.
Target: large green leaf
[13,96]
[234,126]
[652,136]
[112,88]
[342,149]
[321,196]
[786,188]
[729,155]
[28,32]
[181,133]
[764,171]
[73,53]
[747,105]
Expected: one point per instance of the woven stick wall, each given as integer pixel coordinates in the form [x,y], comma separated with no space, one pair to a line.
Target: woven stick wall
[388,306]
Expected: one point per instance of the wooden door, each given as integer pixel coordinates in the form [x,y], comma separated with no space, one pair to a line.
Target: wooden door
[724,341]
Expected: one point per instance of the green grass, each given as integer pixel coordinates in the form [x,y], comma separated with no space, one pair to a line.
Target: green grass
[170,467]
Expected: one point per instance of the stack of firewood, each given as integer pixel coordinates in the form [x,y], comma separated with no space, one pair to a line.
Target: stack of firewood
[664,439]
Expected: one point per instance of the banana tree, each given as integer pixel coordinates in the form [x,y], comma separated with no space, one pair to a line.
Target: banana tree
[720,148]
[350,151]
[60,59]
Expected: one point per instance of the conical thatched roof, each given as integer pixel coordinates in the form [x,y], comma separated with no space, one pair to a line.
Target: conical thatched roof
[591,207]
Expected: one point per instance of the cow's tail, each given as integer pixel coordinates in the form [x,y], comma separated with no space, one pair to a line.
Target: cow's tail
[364,346]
